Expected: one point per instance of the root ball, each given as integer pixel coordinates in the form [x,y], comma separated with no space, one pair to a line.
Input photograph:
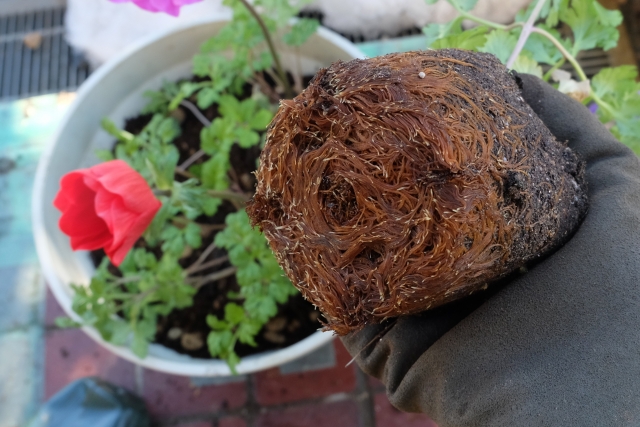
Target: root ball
[399,183]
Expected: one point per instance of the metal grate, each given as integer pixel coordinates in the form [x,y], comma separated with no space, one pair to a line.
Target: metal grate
[34,56]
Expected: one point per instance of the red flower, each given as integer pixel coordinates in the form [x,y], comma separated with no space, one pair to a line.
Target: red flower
[105,206]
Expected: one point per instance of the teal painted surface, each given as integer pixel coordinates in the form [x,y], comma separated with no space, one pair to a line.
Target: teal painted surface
[401,44]
[26,126]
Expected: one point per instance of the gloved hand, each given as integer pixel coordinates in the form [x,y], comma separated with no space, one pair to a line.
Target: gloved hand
[556,346]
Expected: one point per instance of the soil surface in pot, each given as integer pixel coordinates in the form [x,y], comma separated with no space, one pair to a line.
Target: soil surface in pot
[186,330]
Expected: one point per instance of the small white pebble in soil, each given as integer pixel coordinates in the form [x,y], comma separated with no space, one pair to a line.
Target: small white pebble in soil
[276,324]
[422,75]
[192,341]
[274,337]
[174,333]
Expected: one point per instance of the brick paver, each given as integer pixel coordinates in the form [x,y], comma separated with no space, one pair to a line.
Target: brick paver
[338,414]
[273,388]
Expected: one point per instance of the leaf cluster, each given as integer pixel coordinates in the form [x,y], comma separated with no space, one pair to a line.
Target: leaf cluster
[125,309]
[588,25]
[262,282]
[124,306]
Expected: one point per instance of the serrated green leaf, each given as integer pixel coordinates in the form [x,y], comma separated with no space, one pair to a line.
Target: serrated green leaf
[301,31]
[434,31]
[525,64]
[592,25]
[553,11]
[193,235]
[214,172]
[616,80]
[217,324]
[116,132]
[470,40]
[233,313]
[542,50]
[500,43]
[246,138]
[261,119]
[121,331]
[139,345]
[206,97]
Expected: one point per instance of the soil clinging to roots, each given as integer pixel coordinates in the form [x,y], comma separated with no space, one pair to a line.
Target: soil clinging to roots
[399,183]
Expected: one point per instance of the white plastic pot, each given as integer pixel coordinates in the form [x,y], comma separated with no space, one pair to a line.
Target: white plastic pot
[115,91]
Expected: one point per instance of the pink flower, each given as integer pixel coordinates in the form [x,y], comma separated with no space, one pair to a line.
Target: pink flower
[172,7]
[106,206]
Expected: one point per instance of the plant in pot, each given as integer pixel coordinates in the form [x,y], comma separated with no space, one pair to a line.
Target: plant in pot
[177,262]
[546,38]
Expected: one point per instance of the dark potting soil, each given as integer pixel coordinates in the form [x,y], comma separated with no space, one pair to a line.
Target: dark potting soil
[186,330]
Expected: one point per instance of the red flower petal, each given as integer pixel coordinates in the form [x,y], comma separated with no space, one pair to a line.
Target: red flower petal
[108,206]
[79,220]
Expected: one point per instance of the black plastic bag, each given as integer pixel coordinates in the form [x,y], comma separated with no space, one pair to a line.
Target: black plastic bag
[92,402]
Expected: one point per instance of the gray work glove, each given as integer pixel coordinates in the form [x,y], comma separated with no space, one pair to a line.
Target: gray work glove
[556,346]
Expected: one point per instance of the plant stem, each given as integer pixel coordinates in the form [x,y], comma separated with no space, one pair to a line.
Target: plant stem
[557,65]
[209,264]
[125,280]
[191,160]
[229,271]
[276,59]
[228,195]
[184,173]
[481,21]
[158,192]
[526,32]
[603,104]
[196,112]
[201,258]
[206,228]
[572,60]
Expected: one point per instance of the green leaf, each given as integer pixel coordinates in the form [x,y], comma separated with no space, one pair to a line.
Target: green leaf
[104,155]
[214,172]
[552,11]
[121,331]
[470,39]
[525,64]
[66,323]
[465,5]
[206,97]
[435,32]
[139,345]
[192,235]
[618,92]
[116,132]
[615,81]
[592,25]
[301,31]
[233,313]
[500,43]
[246,138]
[542,49]
[217,324]
[261,119]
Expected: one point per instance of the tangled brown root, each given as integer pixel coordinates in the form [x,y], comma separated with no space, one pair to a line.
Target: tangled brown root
[396,184]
